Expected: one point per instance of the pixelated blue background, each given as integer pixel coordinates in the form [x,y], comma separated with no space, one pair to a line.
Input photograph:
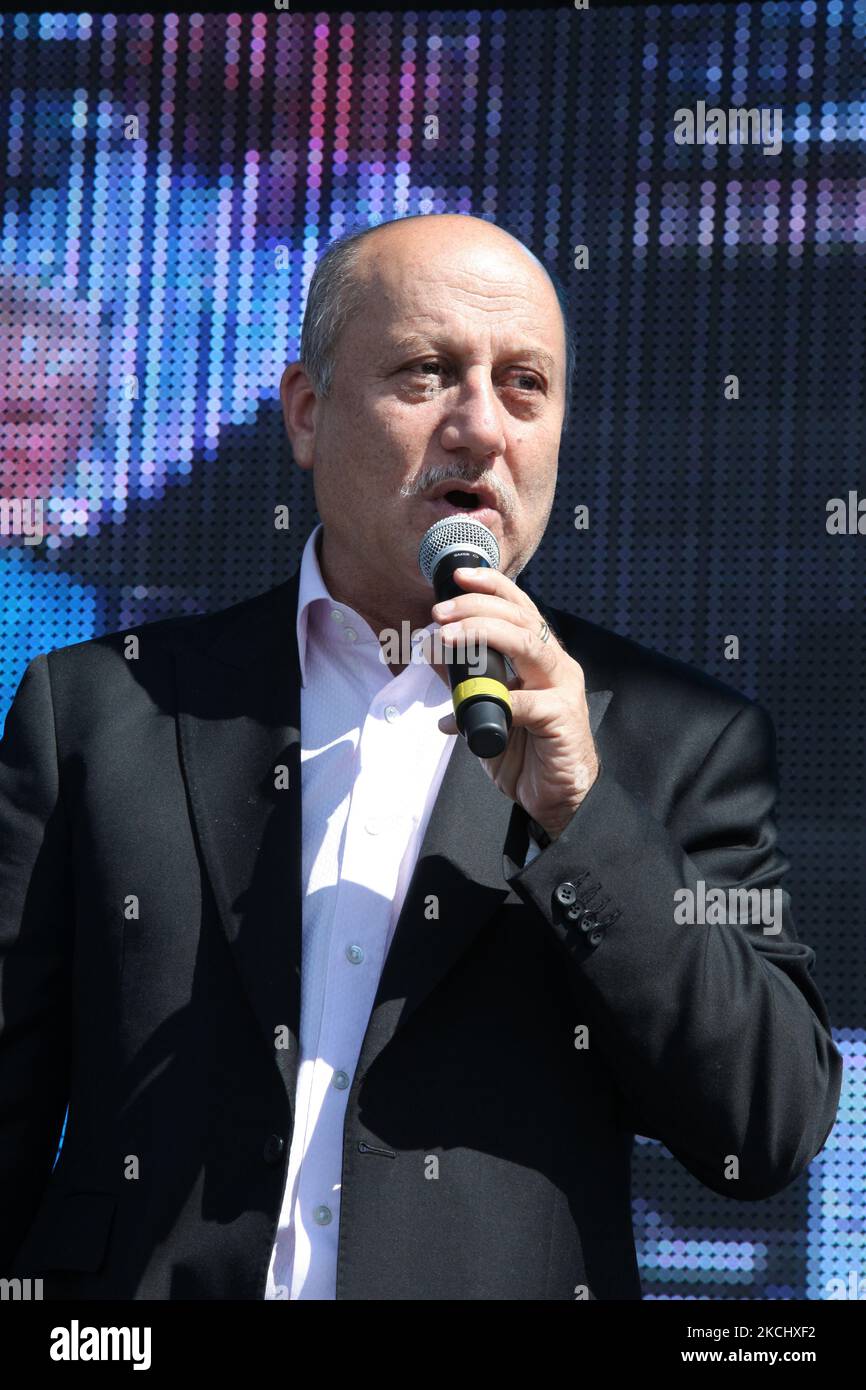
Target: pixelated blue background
[176,254]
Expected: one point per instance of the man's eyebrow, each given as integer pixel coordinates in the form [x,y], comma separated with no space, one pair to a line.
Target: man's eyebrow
[419,342]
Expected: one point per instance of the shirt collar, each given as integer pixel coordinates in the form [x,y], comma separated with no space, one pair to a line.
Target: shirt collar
[311,586]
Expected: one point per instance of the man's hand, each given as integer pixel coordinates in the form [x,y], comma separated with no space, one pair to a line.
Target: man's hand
[550,762]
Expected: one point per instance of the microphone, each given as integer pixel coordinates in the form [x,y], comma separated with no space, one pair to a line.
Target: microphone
[482,703]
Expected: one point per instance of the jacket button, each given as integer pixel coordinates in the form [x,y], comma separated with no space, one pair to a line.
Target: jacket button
[576,912]
[589,923]
[595,938]
[566,894]
[274,1145]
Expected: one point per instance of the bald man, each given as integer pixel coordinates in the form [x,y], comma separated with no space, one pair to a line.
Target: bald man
[339,1009]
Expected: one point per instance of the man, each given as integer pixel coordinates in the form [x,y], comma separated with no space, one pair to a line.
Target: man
[49,357]
[341,1010]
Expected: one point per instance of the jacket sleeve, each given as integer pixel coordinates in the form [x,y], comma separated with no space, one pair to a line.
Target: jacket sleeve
[715,1033]
[36,914]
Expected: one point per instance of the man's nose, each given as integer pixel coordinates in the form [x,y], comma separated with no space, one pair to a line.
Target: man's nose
[475,420]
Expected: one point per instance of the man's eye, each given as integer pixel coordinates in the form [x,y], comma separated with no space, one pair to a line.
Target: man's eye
[524,381]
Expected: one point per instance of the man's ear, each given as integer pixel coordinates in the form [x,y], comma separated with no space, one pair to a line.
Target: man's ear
[299,412]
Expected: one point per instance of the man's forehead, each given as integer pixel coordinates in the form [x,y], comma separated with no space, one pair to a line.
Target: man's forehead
[452,249]
[460,307]
[471,277]
[486,282]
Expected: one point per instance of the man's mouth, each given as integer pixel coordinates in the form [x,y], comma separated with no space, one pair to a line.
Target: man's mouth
[462,498]
[467,500]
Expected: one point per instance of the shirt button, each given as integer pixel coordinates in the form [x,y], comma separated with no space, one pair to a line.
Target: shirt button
[392,713]
[372,827]
[355,954]
[336,615]
[341,1080]
[351,634]
[274,1145]
[322,1215]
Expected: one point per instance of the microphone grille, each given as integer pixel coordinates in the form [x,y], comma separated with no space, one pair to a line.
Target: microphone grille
[455,533]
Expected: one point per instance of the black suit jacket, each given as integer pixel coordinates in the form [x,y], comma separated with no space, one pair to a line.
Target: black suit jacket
[150,936]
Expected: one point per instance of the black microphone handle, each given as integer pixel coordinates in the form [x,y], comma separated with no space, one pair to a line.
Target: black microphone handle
[483,713]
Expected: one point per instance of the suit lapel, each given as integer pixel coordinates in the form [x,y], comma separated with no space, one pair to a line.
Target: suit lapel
[474,838]
[239,725]
[456,886]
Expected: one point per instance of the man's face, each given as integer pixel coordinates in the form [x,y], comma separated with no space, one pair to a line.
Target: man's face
[49,352]
[452,369]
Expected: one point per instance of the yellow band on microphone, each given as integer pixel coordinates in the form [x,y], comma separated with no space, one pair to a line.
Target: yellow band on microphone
[480,685]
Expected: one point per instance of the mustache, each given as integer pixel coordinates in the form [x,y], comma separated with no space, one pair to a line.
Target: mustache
[432,477]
